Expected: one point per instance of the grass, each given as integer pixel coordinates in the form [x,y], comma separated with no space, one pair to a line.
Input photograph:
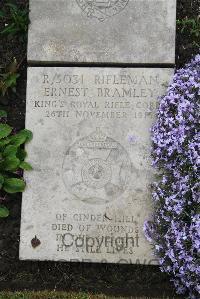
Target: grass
[62,295]
[43,295]
[15,20]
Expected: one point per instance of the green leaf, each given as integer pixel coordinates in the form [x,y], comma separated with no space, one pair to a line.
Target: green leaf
[21,154]
[4,212]
[1,180]
[10,150]
[28,134]
[5,130]
[18,139]
[3,113]
[2,14]
[11,80]
[25,166]
[14,185]
[10,164]
[11,5]
[4,142]
[9,29]
[21,137]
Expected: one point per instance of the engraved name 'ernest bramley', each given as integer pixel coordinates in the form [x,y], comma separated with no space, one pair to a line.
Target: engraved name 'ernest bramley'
[89,192]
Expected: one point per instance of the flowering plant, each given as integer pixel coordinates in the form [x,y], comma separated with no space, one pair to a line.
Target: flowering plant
[175,227]
[12,161]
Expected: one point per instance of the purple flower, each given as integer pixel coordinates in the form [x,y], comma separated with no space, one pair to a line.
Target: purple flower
[175,227]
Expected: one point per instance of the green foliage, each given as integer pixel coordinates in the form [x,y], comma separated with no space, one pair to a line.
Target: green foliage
[16,20]
[14,185]
[4,212]
[25,166]
[64,295]
[3,113]
[8,79]
[51,295]
[5,130]
[192,26]
[12,157]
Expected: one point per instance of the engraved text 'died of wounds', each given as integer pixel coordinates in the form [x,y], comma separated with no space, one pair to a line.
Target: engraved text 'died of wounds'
[102,9]
[96,169]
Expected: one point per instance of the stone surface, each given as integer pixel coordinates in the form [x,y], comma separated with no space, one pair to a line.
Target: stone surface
[88,195]
[120,31]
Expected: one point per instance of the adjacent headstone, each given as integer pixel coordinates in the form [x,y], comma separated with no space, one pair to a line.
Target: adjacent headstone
[102,31]
[89,193]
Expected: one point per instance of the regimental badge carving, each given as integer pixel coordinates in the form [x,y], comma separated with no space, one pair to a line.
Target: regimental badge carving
[96,169]
[102,9]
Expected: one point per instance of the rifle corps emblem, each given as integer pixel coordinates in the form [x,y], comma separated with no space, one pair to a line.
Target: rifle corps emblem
[102,9]
[96,169]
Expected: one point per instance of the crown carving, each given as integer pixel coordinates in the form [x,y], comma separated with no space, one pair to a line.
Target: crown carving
[98,135]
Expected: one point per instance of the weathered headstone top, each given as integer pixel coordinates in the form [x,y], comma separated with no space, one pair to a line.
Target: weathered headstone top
[88,195]
[102,31]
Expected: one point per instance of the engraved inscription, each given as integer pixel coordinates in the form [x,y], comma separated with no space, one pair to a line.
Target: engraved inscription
[102,9]
[113,234]
[96,169]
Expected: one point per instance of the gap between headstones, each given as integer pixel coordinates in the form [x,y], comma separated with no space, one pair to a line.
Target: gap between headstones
[100,65]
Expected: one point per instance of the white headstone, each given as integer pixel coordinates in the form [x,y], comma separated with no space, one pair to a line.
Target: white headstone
[86,31]
[89,193]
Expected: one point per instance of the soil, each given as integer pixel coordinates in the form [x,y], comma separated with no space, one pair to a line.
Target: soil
[117,280]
